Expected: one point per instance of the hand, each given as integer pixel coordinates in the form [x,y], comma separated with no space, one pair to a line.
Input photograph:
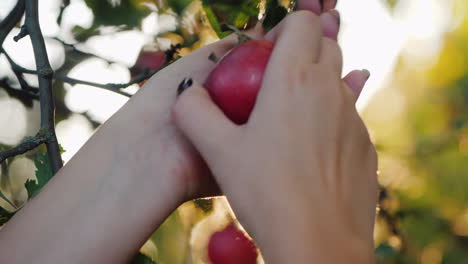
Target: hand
[301,174]
[159,94]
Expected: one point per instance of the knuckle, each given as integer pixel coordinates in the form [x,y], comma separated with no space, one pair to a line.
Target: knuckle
[333,46]
[303,17]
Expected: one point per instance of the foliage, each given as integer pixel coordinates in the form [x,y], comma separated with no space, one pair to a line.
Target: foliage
[142,259]
[423,216]
[425,173]
[43,175]
[114,16]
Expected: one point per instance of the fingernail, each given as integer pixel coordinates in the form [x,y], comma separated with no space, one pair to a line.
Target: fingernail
[321,5]
[366,73]
[186,83]
[336,15]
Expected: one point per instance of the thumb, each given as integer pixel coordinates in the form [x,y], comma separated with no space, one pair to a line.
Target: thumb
[356,81]
[200,120]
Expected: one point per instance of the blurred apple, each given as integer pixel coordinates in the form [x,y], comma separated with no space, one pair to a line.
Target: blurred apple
[149,59]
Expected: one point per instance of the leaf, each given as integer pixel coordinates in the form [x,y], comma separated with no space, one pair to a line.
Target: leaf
[213,20]
[204,204]
[385,251]
[43,175]
[274,13]
[43,169]
[116,13]
[240,14]
[178,5]
[142,259]
[5,216]
[32,187]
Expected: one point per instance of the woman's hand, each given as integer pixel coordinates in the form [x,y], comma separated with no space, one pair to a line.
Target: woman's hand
[159,94]
[301,174]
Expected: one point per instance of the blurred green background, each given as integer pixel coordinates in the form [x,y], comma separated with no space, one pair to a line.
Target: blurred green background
[415,106]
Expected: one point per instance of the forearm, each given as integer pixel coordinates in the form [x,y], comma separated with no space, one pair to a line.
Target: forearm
[287,230]
[103,204]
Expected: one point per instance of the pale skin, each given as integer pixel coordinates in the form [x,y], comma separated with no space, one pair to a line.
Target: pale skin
[104,204]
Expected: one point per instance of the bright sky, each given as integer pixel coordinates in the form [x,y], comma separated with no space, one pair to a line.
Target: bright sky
[370,37]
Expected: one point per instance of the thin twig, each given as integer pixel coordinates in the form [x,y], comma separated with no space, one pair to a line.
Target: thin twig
[11,20]
[114,87]
[23,33]
[28,144]
[5,177]
[45,83]
[65,4]
[18,71]
[15,66]
[32,93]
[73,47]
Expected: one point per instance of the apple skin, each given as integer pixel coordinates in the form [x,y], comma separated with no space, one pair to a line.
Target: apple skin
[231,246]
[148,60]
[235,81]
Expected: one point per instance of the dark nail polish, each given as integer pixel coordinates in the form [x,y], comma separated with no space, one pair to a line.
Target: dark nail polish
[337,16]
[186,83]
[321,5]
[366,73]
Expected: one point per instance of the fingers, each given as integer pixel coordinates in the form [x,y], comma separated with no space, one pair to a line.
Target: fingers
[329,5]
[331,55]
[296,38]
[201,120]
[331,24]
[356,80]
[316,6]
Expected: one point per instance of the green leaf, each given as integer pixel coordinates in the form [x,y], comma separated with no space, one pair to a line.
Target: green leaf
[385,251]
[240,14]
[43,175]
[5,216]
[116,13]
[213,20]
[204,204]
[178,5]
[142,259]
[43,169]
[32,187]
[274,14]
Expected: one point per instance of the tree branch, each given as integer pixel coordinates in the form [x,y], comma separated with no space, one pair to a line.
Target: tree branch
[72,47]
[11,20]
[32,93]
[114,87]
[18,71]
[65,4]
[28,144]
[45,74]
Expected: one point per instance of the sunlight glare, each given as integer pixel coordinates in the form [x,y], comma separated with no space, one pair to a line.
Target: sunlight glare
[76,14]
[12,120]
[99,103]
[424,28]
[72,134]
[370,40]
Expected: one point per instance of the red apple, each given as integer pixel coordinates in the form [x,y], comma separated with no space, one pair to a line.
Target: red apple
[234,83]
[148,60]
[231,246]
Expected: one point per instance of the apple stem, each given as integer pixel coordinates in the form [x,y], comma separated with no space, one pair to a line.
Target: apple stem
[241,36]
